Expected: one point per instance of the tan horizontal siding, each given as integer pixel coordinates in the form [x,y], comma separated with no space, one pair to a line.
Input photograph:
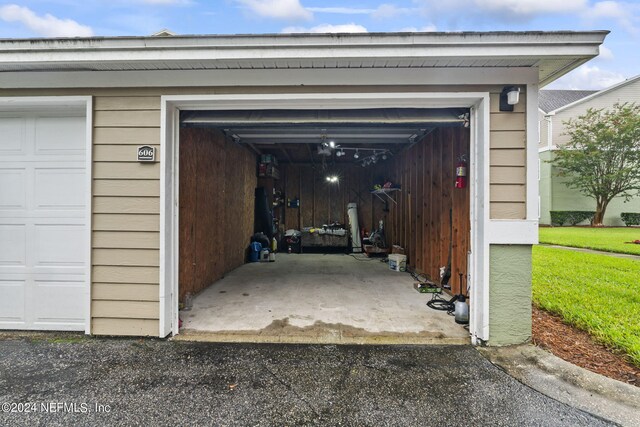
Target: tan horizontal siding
[507,175]
[126,239]
[508,210]
[126,136]
[125,309]
[131,257]
[125,274]
[124,103]
[130,327]
[124,205]
[126,222]
[114,170]
[135,118]
[120,187]
[125,292]
[508,193]
[507,121]
[118,153]
[508,157]
[508,139]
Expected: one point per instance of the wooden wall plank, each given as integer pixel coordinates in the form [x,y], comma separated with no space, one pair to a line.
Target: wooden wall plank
[111,170]
[126,205]
[130,327]
[121,187]
[508,210]
[126,240]
[508,193]
[126,136]
[507,175]
[130,257]
[507,121]
[125,222]
[124,103]
[508,139]
[508,157]
[125,274]
[125,292]
[125,310]
[135,118]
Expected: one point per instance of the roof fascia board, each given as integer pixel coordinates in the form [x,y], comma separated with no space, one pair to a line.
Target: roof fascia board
[323,46]
[310,53]
[269,77]
[597,94]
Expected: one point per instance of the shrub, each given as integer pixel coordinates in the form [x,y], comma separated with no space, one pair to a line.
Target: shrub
[560,218]
[630,218]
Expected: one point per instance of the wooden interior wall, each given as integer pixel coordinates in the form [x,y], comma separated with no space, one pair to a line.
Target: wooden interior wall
[217,183]
[420,221]
[322,202]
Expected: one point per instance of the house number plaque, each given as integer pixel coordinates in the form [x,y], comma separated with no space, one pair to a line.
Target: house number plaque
[146,153]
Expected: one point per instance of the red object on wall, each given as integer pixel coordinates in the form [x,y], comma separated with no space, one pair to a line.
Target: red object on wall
[461,174]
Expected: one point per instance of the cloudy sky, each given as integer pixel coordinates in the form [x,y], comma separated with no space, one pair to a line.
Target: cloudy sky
[619,58]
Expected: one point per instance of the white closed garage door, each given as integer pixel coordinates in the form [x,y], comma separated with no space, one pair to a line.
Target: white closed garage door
[43,220]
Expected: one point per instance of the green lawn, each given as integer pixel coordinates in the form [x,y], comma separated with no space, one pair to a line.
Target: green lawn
[603,239]
[597,293]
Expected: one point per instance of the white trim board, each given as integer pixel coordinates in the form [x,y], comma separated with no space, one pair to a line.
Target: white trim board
[170,106]
[481,235]
[268,77]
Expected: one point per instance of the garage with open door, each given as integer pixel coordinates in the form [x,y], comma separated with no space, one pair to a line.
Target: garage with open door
[44,216]
[335,198]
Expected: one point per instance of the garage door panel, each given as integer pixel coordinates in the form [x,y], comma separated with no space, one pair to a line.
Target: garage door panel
[60,135]
[13,248]
[61,245]
[59,301]
[12,304]
[13,182]
[13,142]
[43,224]
[59,188]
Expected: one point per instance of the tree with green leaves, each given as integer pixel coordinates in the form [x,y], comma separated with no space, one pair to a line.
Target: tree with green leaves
[602,159]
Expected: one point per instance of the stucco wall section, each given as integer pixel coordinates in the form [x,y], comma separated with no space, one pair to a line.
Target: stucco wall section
[509,294]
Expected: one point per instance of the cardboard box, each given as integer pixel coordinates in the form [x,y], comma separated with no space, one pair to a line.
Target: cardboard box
[397,262]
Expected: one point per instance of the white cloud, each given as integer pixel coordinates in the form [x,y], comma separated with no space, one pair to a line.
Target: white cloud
[626,14]
[427,29]
[341,10]
[167,2]
[605,52]
[278,9]
[531,7]
[328,28]
[46,25]
[385,11]
[587,77]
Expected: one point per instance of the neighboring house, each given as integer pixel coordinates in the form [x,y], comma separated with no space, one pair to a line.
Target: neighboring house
[91,221]
[556,107]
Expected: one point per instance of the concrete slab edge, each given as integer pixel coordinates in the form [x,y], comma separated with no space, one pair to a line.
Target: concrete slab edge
[567,383]
[316,339]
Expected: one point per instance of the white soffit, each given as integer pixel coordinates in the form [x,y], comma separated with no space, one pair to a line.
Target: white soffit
[553,53]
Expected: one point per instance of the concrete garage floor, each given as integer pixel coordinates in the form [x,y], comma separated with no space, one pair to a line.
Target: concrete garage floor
[318,298]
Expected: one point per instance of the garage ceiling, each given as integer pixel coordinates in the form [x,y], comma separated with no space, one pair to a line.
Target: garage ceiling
[293,135]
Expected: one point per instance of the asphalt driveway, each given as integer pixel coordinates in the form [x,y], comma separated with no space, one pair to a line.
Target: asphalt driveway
[85,381]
